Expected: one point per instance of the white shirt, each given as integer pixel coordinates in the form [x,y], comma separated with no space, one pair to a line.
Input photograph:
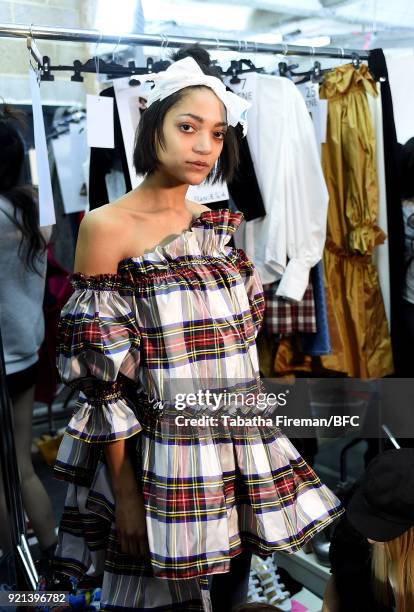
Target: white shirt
[289,240]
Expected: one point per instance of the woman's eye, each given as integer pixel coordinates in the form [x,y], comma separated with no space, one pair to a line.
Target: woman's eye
[220,135]
[184,127]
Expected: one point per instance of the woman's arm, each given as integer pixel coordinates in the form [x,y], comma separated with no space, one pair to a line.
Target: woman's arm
[98,251]
[129,501]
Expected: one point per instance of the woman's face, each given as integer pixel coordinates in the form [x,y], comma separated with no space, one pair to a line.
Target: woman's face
[194,131]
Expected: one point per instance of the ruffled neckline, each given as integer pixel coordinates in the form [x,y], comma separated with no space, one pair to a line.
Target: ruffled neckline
[207,234]
[222,221]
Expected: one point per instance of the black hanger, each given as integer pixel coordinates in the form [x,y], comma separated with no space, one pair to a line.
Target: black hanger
[110,68]
[285,70]
[236,68]
[356,60]
[151,67]
[45,73]
[315,74]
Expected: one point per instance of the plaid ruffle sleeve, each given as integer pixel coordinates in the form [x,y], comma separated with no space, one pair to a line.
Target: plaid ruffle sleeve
[98,349]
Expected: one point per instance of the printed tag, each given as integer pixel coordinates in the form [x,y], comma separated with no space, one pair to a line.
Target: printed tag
[100,121]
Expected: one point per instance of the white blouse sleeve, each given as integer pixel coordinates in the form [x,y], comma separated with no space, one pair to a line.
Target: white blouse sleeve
[306,201]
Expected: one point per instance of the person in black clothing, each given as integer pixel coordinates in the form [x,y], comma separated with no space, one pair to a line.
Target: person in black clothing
[372,547]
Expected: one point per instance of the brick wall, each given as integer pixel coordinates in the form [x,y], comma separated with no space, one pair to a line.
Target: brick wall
[14,85]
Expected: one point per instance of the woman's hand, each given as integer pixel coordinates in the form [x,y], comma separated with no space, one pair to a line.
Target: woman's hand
[131,524]
[129,502]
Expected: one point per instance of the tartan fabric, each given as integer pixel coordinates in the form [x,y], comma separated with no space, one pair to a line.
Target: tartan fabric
[285,317]
[188,312]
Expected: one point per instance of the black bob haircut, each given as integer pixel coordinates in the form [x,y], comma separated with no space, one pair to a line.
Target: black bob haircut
[150,128]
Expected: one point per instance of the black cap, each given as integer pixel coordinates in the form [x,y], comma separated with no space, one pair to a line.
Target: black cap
[382,508]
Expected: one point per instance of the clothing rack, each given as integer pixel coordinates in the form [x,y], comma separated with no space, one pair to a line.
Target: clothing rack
[8,30]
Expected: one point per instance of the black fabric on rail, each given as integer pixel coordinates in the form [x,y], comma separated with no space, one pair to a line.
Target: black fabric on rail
[378,68]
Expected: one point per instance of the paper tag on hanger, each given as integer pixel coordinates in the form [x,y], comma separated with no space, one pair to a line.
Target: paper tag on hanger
[100,121]
[40,166]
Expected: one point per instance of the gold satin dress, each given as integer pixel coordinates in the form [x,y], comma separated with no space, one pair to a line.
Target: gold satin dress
[361,344]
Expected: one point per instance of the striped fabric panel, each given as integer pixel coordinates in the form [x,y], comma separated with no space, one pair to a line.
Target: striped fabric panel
[284,317]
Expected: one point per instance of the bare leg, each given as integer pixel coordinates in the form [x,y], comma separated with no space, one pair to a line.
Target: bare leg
[36,501]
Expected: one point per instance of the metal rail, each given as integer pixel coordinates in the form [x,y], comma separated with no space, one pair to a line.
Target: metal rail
[9,30]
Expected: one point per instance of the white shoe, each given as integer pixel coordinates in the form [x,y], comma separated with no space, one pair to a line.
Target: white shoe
[255,593]
[273,588]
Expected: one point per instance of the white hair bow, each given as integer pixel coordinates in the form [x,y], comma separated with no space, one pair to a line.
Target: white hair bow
[187,72]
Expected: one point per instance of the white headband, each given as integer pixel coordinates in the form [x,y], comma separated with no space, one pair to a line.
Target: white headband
[187,72]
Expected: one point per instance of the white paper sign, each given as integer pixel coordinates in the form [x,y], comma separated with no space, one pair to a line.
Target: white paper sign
[204,193]
[131,103]
[46,204]
[100,121]
[70,151]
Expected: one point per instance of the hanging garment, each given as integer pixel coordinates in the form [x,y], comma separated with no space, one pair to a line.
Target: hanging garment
[319,343]
[104,161]
[284,317]
[378,68]
[289,240]
[381,255]
[187,312]
[57,291]
[359,332]
[244,187]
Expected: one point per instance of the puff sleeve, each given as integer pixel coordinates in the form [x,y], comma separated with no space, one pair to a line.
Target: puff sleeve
[254,288]
[98,349]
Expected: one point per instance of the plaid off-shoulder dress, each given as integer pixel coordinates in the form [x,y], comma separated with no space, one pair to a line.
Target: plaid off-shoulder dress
[188,312]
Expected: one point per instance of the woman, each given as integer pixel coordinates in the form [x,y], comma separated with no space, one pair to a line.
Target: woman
[22,285]
[168,513]
[372,548]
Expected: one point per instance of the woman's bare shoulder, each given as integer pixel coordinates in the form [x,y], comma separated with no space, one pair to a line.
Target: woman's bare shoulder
[100,241]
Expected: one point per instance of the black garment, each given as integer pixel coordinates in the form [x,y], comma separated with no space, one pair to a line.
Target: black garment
[378,68]
[244,188]
[230,589]
[102,161]
[350,557]
[22,381]
[409,325]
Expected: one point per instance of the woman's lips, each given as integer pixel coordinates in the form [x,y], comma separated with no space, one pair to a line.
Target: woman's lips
[198,165]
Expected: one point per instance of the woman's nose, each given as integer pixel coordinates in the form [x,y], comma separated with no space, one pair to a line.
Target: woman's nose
[203,144]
